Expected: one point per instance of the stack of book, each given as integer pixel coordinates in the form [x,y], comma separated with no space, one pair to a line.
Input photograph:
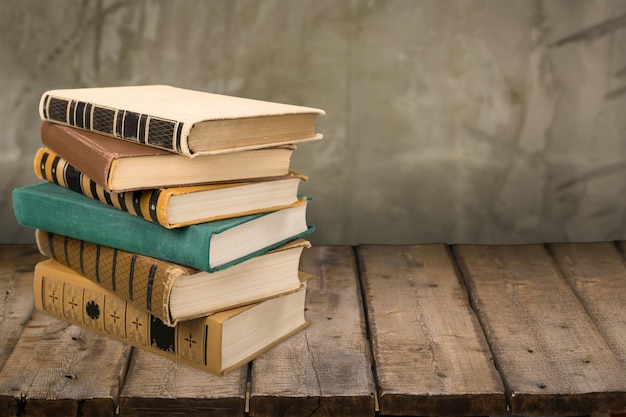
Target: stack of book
[171,219]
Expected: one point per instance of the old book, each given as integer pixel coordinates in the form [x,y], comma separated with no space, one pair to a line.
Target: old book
[179,120]
[119,165]
[207,246]
[175,207]
[173,292]
[218,343]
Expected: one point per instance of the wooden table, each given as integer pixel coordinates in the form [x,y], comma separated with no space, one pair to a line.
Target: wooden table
[396,330]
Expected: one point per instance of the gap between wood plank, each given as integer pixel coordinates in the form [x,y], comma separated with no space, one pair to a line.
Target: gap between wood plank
[367,328]
[463,282]
[246,405]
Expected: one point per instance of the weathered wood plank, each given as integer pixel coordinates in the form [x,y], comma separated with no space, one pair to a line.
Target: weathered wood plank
[58,369]
[325,369]
[16,285]
[430,353]
[597,273]
[550,354]
[157,386]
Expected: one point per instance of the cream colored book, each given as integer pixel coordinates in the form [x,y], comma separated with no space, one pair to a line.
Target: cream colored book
[183,121]
[218,343]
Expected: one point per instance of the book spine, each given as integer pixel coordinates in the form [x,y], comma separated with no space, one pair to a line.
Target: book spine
[64,140]
[141,203]
[118,123]
[67,296]
[142,280]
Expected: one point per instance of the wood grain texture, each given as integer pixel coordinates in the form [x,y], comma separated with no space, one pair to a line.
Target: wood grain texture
[157,386]
[552,357]
[597,273]
[431,355]
[553,315]
[325,369]
[16,286]
[57,369]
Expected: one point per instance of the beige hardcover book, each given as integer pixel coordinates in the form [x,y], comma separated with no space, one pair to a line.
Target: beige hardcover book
[218,343]
[179,120]
[174,292]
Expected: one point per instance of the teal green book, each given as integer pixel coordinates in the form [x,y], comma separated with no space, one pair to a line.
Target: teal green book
[207,246]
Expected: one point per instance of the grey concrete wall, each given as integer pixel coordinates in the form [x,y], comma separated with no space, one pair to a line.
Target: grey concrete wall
[447,120]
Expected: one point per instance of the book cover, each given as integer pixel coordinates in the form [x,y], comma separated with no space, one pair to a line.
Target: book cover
[207,246]
[119,165]
[153,284]
[175,207]
[179,120]
[218,343]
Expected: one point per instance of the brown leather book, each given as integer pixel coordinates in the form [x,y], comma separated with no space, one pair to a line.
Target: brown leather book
[119,165]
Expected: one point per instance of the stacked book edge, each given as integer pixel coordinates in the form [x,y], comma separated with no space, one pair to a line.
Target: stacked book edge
[171,220]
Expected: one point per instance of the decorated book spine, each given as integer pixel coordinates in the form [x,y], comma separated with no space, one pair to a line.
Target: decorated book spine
[144,281]
[119,123]
[71,298]
[141,203]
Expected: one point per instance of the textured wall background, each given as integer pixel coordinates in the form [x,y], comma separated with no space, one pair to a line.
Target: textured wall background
[447,120]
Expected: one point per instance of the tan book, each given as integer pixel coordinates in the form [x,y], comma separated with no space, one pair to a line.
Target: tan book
[173,292]
[174,207]
[119,165]
[179,120]
[218,343]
